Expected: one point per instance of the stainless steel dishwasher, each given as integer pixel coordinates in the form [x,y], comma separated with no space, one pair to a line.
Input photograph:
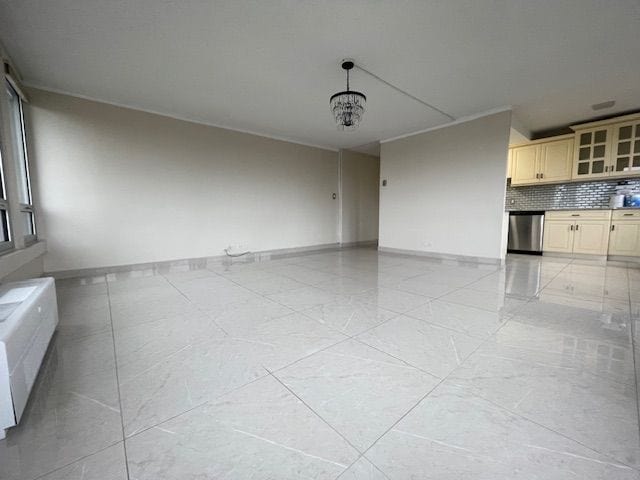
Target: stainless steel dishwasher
[525,232]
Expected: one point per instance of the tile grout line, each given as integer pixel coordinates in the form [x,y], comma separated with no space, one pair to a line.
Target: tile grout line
[272,373]
[79,460]
[242,386]
[313,411]
[258,378]
[437,385]
[426,395]
[633,349]
[535,422]
[197,307]
[362,457]
[353,337]
[523,417]
[115,361]
[195,407]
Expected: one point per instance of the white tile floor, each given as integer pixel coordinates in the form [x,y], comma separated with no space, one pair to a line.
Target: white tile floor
[348,364]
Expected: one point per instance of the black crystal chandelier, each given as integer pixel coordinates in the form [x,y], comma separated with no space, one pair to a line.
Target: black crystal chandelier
[347,106]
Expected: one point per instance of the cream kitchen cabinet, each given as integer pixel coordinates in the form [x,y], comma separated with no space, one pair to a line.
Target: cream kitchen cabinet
[592,152]
[625,154]
[524,165]
[583,232]
[556,161]
[591,237]
[542,162]
[624,238]
[558,236]
[607,148]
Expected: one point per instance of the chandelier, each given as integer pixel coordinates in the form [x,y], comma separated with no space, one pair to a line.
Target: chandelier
[347,107]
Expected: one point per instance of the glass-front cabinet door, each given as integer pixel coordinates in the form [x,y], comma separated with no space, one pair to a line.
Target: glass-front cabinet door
[592,153]
[625,159]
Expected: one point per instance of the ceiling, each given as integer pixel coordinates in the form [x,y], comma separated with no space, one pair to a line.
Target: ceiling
[270,67]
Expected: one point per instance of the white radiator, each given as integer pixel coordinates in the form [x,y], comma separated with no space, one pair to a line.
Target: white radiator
[28,318]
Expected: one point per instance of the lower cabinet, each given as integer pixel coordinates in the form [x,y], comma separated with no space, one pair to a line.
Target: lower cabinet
[624,238]
[591,237]
[558,236]
[584,232]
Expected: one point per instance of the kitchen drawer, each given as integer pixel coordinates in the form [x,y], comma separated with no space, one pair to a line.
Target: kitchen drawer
[626,214]
[578,214]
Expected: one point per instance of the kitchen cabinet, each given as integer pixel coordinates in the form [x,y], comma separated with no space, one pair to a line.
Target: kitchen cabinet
[542,162]
[583,232]
[626,149]
[624,238]
[558,236]
[592,152]
[556,161]
[524,165]
[608,148]
[591,237]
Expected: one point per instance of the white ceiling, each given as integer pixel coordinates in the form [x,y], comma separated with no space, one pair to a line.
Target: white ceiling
[270,66]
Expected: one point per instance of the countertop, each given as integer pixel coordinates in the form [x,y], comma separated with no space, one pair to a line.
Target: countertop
[569,209]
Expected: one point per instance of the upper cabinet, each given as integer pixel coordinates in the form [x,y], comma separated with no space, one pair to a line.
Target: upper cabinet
[542,162]
[556,160]
[608,148]
[626,149]
[603,149]
[592,153]
[524,165]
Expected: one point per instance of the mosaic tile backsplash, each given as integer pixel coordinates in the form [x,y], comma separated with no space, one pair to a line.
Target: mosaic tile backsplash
[565,195]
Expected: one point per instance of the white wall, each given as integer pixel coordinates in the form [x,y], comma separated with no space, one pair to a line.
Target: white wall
[117,186]
[446,189]
[360,175]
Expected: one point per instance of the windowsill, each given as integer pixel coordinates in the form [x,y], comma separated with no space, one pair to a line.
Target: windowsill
[12,260]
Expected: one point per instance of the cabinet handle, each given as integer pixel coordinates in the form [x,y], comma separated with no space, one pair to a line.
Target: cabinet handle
[606,169]
[542,175]
[577,226]
[628,214]
[537,175]
[571,228]
[613,227]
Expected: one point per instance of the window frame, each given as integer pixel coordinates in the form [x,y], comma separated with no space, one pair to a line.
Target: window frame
[5,215]
[24,208]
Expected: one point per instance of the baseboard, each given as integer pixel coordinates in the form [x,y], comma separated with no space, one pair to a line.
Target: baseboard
[623,258]
[200,262]
[443,256]
[574,255]
[361,244]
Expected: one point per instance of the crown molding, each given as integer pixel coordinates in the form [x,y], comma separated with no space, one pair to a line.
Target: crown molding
[179,117]
[458,121]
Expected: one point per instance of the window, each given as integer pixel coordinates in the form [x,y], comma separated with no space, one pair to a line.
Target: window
[21,165]
[5,233]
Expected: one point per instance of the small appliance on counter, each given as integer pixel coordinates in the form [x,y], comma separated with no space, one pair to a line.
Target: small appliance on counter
[525,232]
[626,195]
[616,200]
[632,200]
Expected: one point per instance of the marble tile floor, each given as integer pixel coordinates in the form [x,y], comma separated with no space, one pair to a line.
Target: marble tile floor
[347,364]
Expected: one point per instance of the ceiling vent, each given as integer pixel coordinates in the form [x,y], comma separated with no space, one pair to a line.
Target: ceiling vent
[603,105]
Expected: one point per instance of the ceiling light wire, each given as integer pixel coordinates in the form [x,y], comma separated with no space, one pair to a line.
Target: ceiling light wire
[426,104]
